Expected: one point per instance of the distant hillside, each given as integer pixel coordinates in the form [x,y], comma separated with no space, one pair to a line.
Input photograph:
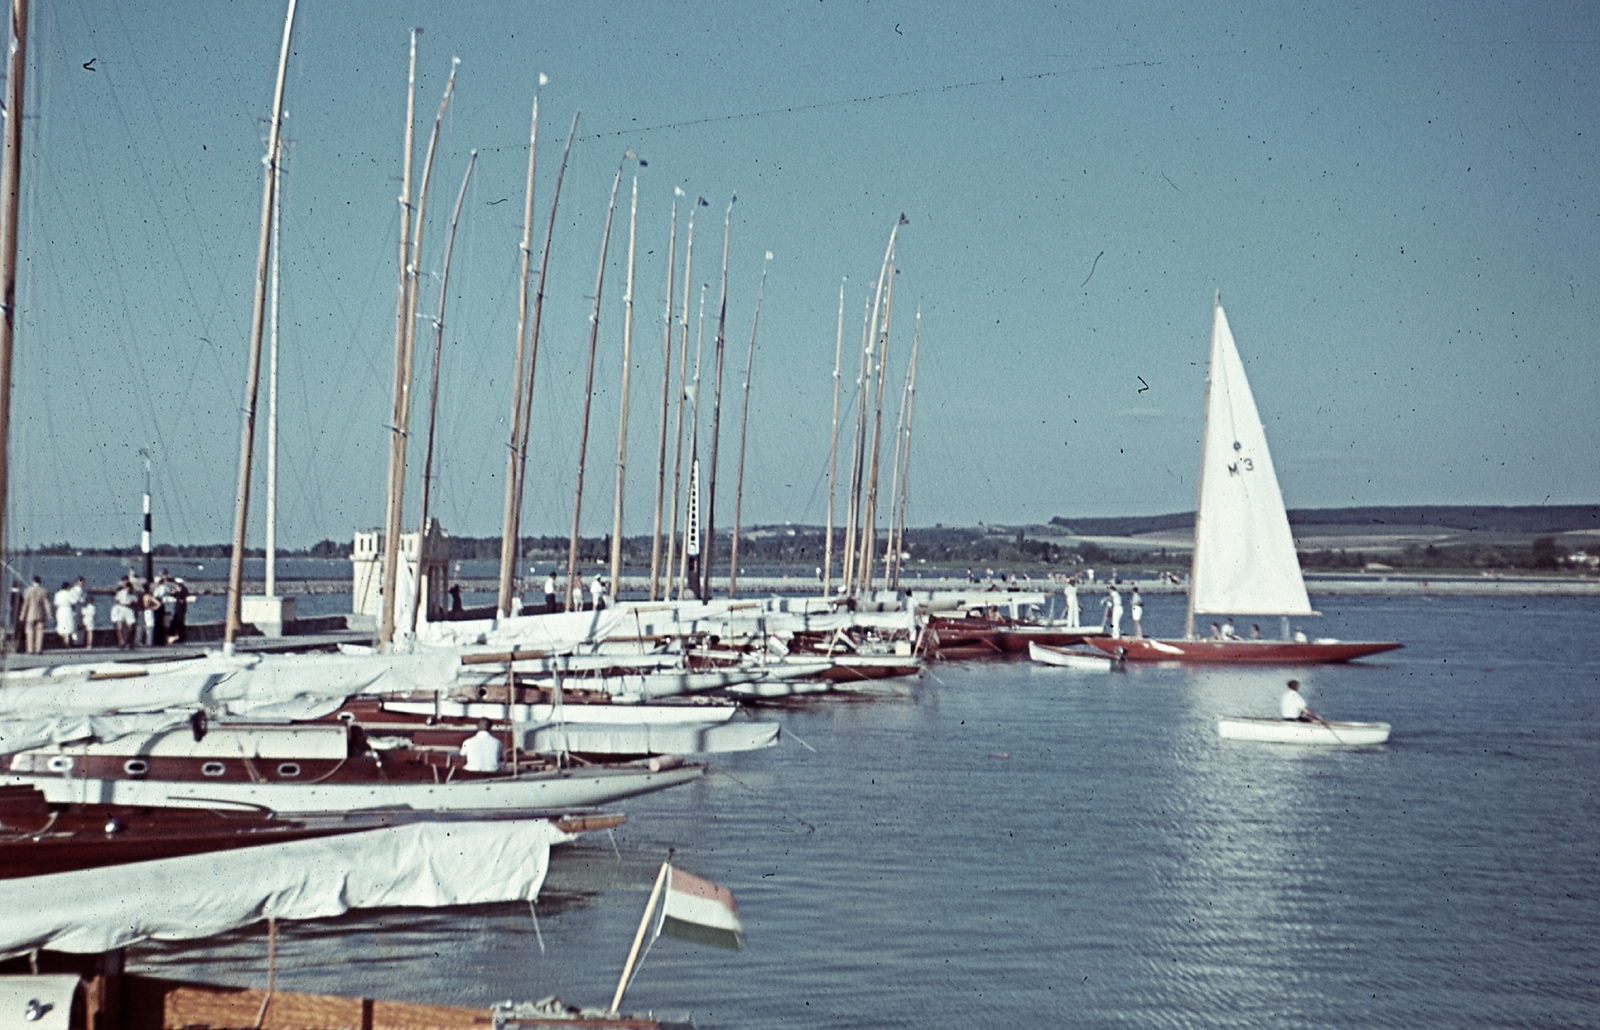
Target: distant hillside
[1521,519]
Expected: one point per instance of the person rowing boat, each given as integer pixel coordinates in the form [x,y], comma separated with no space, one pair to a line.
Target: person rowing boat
[1293,707]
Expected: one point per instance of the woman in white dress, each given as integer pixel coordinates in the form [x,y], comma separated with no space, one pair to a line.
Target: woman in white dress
[66,618]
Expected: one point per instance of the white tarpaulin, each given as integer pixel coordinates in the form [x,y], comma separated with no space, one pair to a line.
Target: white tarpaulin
[425,865]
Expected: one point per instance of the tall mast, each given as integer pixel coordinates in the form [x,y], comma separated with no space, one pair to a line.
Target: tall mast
[573,602]
[683,371]
[666,400]
[905,455]
[689,578]
[1205,434]
[744,426]
[271,586]
[520,444]
[510,544]
[894,478]
[433,392]
[833,451]
[857,449]
[247,434]
[716,415]
[622,423]
[10,197]
[869,526]
[397,442]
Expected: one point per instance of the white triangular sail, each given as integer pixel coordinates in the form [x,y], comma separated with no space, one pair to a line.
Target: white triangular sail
[1244,557]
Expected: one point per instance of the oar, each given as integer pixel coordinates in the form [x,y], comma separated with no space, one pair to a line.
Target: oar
[1329,725]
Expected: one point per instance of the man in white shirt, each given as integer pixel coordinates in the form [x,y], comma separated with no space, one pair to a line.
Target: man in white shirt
[550,593]
[1293,707]
[482,750]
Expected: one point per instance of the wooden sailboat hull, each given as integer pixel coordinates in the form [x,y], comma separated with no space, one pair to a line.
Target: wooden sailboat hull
[1019,639]
[1289,731]
[554,790]
[1240,652]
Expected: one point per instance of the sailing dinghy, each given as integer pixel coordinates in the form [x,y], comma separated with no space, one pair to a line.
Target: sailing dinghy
[1290,731]
[1244,557]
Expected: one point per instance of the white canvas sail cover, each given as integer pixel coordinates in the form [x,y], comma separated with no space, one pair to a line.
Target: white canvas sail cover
[421,865]
[1244,558]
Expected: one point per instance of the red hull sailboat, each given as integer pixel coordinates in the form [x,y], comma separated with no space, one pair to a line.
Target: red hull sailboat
[1244,556]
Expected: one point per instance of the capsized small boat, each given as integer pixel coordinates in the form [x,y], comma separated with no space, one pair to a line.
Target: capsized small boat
[1292,731]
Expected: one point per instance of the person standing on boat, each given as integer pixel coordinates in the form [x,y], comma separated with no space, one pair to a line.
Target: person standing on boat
[178,628]
[1138,614]
[482,750]
[1293,707]
[66,618]
[86,612]
[597,591]
[1074,613]
[1114,610]
[550,593]
[122,613]
[35,612]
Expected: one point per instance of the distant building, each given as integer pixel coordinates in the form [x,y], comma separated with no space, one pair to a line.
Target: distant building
[366,572]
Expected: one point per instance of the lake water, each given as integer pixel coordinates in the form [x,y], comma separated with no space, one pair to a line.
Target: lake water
[1017,845]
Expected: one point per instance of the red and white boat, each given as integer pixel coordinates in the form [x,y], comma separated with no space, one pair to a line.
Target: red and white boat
[1244,556]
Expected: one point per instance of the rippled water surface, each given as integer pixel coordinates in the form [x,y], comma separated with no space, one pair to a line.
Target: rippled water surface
[1016,845]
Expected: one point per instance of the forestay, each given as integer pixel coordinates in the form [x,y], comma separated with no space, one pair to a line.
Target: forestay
[1244,559]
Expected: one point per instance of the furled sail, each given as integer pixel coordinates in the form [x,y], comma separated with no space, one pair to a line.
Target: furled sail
[1244,558]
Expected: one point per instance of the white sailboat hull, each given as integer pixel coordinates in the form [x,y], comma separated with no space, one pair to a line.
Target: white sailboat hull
[546,791]
[1289,731]
[1066,658]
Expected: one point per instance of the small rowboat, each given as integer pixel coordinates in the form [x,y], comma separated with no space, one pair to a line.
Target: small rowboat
[1289,731]
[1069,658]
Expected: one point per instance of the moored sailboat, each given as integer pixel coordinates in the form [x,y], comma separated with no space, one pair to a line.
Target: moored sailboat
[1244,556]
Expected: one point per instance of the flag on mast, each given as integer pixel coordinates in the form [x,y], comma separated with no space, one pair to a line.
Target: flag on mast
[698,910]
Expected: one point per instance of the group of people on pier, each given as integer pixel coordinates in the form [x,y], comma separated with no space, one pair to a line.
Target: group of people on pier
[143,612]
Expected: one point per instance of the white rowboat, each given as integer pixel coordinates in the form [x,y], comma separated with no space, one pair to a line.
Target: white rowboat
[1289,731]
[1069,658]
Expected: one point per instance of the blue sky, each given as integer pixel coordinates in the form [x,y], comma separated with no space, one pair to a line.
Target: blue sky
[1398,206]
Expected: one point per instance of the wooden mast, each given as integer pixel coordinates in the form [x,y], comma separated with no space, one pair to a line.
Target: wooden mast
[710,549]
[391,524]
[869,528]
[857,448]
[622,422]
[510,542]
[270,586]
[247,434]
[691,530]
[576,603]
[10,204]
[744,426]
[833,451]
[905,456]
[433,392]
[666,400]
[520,444]
[683,372]
[894,479]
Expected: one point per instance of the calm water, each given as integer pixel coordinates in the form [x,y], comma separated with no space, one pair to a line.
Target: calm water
[1024,846]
